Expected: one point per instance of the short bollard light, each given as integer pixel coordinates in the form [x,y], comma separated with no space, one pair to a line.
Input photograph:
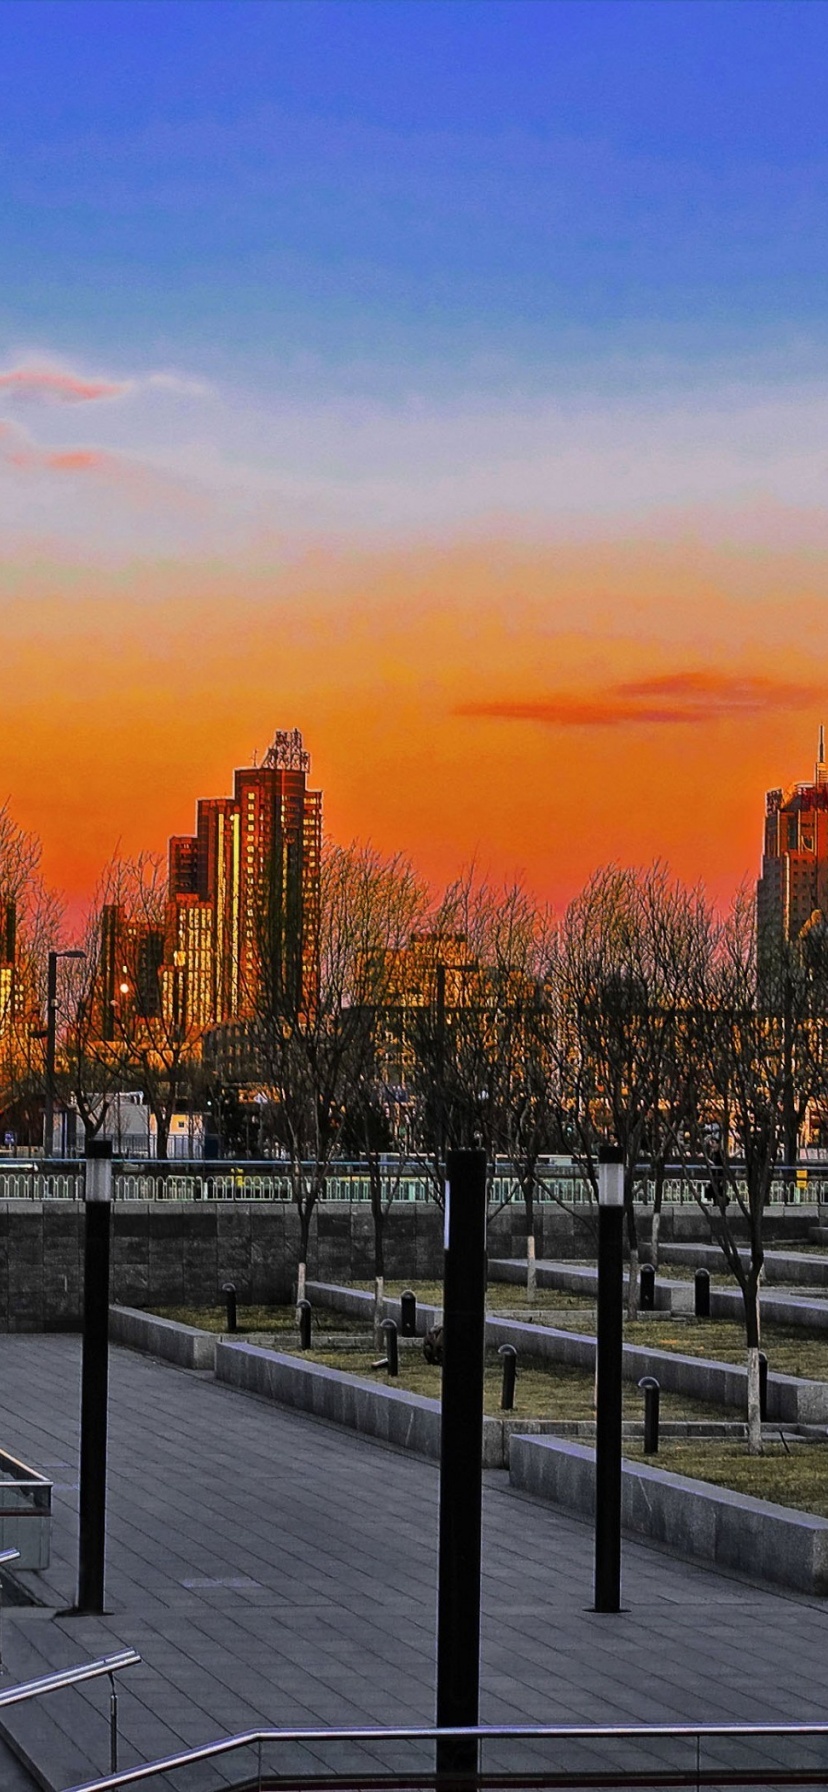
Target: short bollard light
[408,1313]
[701,1294]
[304,1311]
[391,1361]
[507,1396]
[647,1287]
[651,1391]
[763,1387]
[228,1289]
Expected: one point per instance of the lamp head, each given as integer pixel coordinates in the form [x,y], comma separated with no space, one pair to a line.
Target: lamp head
[610,1176]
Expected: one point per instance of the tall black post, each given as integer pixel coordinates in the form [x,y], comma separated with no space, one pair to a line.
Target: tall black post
[51,1038]
[461,1454]
[94,1377]
[610,1346]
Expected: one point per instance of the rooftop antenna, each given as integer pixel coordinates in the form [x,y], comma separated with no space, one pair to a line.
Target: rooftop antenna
[821,774]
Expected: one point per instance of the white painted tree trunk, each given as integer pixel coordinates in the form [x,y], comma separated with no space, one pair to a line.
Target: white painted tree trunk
[531,1269]
[301,1277]
[754,1417]
[632,1287]
[654,1239]
[379,1309]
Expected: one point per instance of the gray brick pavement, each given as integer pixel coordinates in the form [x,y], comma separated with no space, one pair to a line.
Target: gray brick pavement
[327,1546]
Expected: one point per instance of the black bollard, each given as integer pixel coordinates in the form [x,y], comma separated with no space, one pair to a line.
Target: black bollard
[647,1288]
[408,1314]
[507,1397]
[763,1386]
[392,1360]
[304,1311]
[701,1290]
[651,1391]
[228,1289]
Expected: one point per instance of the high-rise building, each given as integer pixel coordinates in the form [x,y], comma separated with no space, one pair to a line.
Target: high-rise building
[244,891]
[8,954]
[792,892]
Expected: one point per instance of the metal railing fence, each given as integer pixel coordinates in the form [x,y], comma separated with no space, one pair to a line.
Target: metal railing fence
[659,1755]
[223,1180]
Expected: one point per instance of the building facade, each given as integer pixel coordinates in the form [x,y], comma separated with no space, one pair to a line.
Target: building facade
[792,891]
[244,892]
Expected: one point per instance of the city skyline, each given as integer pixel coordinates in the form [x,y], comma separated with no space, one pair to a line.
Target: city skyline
[212,870]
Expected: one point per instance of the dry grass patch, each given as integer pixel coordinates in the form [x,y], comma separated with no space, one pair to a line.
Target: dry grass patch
[556,1393]
[793,1473]
[255,1318]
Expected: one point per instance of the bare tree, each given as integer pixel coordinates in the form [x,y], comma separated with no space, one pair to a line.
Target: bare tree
[317,1040]
[753,1033]
[149,1021]
[629,951]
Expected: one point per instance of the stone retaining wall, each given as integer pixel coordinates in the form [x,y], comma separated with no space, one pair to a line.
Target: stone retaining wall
[710,1524]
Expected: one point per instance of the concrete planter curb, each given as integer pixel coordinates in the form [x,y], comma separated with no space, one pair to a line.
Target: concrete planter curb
[693,1518]
[790,1401]
[800,1310]
[787,1267]
[183,1345]
[390,1415]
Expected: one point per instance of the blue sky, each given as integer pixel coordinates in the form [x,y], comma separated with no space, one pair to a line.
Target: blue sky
[405,197]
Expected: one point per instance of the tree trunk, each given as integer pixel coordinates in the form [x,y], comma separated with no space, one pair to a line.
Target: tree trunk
[531,1268]
[305,1208]
[632,1286]
[658,1198]
[301,1276]
[379,1309]
[632,1240]
[654,1237]
[754,1415]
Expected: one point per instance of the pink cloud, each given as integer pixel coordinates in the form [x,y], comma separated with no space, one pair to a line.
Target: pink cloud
[686,699]
[63,388]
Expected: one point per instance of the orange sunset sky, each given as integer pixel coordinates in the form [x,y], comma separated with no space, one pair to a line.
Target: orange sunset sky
[541,707]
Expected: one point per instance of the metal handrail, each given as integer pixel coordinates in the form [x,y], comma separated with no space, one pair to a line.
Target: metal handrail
[131,1776]
[88,1670]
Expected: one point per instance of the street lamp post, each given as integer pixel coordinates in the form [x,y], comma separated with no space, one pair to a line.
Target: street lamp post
[51,1043]
[610,1345]
[94,1376]
[461,1452]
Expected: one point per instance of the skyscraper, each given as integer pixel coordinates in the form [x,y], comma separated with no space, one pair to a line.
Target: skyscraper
[244,890]
[793,888]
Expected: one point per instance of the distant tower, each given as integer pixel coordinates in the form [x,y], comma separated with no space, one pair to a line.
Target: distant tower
[793,888]
[254,861]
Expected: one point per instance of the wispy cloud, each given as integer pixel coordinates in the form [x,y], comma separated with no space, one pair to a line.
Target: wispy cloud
[134,479]
[58,386]
[668,699]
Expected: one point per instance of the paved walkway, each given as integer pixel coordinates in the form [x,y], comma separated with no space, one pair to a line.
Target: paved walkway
[273,1570]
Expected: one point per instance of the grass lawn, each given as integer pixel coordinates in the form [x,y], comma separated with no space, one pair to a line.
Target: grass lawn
[555,1393]
[500,1297]
[793,1473]
[789,1350]
[257,1319]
